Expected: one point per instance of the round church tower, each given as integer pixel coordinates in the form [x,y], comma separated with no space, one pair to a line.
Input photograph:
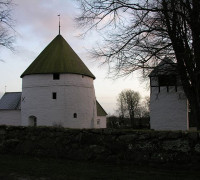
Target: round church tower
[57,89]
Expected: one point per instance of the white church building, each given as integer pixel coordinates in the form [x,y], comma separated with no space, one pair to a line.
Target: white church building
[168,103]
[57,90]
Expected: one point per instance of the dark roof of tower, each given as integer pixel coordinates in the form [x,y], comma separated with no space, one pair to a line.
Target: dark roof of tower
[165,67]
[11,101]
[58,57]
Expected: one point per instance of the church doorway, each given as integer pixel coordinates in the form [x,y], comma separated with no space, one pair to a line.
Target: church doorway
[32,121]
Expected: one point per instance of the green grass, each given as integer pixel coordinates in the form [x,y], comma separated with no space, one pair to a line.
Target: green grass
[29,168]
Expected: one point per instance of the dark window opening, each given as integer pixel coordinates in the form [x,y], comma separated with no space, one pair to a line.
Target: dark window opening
[54,95]
[75,115]
[32,121]
[169,80]
[35,122]
[56,76]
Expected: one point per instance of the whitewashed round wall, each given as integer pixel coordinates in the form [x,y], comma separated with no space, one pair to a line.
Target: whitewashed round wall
[74,106]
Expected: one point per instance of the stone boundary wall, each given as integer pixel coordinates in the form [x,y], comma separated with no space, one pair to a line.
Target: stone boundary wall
[107,145]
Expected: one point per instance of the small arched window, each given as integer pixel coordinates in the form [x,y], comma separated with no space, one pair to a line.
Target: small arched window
[75,115]
[32,121]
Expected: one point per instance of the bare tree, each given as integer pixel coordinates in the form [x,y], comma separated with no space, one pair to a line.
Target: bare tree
[6,24]
[143,110]
[128,104]
[121,106]
[139,33]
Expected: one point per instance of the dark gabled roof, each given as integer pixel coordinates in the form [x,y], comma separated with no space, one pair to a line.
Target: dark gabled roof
[165,67]
[100,110]
[11,101]
[58,57]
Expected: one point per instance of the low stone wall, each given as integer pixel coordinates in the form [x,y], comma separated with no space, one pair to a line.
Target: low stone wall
[103,144]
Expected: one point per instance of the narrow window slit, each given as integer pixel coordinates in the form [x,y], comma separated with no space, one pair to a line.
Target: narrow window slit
[75,115]
[54,95]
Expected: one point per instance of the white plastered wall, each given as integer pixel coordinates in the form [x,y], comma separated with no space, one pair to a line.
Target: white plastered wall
[102,121]
[168,110]
[10,117]
[75,94]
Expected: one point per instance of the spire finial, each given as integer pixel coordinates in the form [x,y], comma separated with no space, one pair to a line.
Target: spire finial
[59,23]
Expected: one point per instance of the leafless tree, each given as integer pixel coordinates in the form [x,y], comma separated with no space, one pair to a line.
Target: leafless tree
[139,33]
[121,108]
[6,24]
[128,104]
[143,110]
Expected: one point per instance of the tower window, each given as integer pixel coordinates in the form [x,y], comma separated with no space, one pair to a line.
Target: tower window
[165,80]
[75,115]
[54,95]
[98,121]
[56,76]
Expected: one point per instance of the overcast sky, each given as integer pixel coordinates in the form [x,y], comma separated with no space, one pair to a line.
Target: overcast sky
[36,25]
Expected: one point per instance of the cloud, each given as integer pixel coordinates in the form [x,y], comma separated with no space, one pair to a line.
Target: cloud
[1,60]
[37,24]
[40,17]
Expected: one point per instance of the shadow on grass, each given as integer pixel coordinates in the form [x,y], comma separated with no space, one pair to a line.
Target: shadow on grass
[29,168]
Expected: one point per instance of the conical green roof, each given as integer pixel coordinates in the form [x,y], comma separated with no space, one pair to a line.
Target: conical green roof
[58,57]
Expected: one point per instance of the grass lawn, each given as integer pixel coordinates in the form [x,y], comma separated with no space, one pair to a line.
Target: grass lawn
[29,168]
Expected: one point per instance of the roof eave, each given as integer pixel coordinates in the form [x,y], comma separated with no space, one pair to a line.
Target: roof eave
[25,74]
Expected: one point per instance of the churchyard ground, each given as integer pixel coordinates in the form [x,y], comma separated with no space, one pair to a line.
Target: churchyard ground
[15,167]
